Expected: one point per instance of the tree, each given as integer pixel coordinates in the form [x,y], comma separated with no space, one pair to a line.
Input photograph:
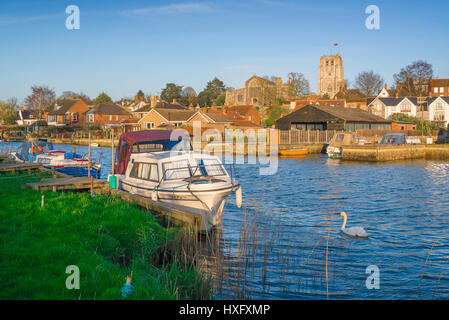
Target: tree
[220,100]
[8,113]
[211,92]
[40,100]
[413,79]
[369,83]
[102,98]
[171,91]
[299,85]
[140,94]
[74,95]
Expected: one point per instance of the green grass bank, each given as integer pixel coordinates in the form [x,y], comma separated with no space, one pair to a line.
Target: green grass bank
[104,236]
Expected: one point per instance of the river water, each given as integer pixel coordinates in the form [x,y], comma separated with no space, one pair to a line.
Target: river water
[285,242]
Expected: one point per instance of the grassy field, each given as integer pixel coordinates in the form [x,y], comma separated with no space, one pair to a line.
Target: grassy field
[104,236]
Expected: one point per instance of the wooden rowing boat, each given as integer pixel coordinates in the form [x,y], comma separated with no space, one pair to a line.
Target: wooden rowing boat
[293,152]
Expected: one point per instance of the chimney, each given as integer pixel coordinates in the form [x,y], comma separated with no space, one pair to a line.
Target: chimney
[292,105]
[213,108]
[174,101]
[386,88]
[191,107]
[397,93]
[21,108]
[154,100]
[136,99]
[278,81]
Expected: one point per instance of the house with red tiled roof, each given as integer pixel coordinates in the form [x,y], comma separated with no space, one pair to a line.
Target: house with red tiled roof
[67,111]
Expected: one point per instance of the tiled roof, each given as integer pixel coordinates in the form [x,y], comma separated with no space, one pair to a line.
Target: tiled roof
[175,114]
[108,108]
[431,100]
[439,82]
[64,105]
[350,114]
[218,117]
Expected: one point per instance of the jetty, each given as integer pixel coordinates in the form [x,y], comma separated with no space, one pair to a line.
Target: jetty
[70,184]
[176,215]
[15,167]
[381,152]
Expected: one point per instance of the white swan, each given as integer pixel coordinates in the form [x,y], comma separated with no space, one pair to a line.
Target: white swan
[353,231]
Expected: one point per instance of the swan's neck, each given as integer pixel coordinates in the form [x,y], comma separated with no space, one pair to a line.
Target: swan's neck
[345,218]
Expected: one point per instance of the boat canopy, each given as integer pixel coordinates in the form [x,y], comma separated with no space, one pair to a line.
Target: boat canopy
[148,141]
[23,152]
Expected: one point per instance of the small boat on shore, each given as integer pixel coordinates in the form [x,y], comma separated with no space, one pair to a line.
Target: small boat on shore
[157,165]
[334,149]
[293,152]
[70,163]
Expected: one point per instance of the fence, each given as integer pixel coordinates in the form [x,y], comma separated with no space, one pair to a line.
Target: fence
[305,137]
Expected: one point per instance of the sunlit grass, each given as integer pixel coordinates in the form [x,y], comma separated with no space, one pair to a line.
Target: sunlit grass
[104,236]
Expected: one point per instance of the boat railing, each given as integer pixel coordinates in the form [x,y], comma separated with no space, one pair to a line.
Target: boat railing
[199,170]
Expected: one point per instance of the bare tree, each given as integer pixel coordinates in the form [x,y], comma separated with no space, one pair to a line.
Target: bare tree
[369,83]
[413,79]
[40,100]
[299,85]
[80,95]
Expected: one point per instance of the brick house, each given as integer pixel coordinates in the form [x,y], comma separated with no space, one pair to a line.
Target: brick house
[439,87]
[156,117]
[67,111]
[106,114]
[248,113]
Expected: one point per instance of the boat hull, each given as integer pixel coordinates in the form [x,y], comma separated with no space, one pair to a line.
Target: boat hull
[210,203]
[293,152]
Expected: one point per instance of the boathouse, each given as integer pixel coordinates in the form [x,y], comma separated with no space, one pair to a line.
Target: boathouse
[317,117]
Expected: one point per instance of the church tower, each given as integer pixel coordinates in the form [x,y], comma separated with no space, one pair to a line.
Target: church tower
[331,76]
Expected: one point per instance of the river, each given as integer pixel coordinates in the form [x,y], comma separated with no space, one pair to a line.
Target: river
[285,243]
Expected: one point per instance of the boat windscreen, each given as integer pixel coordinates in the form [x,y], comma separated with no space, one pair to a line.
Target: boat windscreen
[25,148]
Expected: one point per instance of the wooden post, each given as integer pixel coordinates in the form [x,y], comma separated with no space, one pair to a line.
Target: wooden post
[88,159]
[42,201]
[1,137]
[112,146]
[91,185]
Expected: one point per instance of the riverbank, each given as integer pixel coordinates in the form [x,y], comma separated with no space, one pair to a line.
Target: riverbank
[108,239]
[392,152]
[311,148]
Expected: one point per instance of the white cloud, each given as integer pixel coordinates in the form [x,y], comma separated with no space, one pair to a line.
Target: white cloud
[10,20]
[187,7]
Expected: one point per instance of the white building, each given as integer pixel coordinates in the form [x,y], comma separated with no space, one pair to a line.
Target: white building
[386,107]
[438,108]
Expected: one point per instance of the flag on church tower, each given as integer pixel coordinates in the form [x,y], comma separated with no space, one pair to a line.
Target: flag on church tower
[335,44]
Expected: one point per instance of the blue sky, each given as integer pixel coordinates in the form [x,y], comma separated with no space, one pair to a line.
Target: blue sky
[124,46]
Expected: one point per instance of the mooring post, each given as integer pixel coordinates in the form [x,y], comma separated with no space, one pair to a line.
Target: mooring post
[42,201]
[88,158]
[91,185]
[112,147]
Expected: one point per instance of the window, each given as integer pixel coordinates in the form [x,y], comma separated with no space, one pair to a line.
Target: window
[110,117]
[249,118]
[405,107]
[439,116]
[74,116]
[176,170]
[441,90]
[239,97]
[149,125]
[145,171]
[116,117]
[212,167]
[439,106]
[91,117]
[51,118]
[435,90]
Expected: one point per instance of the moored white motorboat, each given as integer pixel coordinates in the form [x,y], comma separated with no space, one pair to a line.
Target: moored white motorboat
[185,179]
